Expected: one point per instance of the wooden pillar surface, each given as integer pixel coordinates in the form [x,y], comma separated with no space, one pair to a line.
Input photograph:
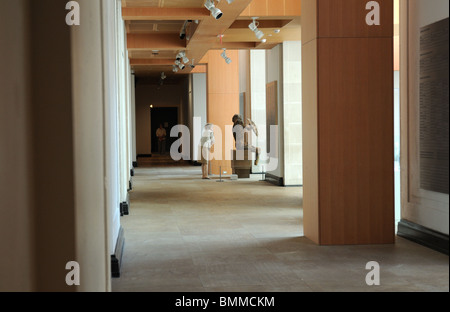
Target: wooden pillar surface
[348,122]
[223,103]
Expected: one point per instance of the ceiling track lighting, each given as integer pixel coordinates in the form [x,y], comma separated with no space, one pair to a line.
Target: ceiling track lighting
[183,29]
[179,64]
[225,57]
[215,12]
[254,27]
[182,57]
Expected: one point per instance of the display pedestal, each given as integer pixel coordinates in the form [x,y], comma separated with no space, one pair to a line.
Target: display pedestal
[242,168]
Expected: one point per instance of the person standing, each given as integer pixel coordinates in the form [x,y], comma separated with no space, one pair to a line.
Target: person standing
[161,135]
[239,130]
[207,142]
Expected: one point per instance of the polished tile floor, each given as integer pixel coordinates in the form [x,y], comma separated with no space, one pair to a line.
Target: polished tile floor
[185,234]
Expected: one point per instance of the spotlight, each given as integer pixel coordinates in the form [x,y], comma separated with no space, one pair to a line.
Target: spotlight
[225,57]
[183,29]
[163,76]
[215,12]
[179,64]
[175,68]
[254,27]
[192,64]
[182,56]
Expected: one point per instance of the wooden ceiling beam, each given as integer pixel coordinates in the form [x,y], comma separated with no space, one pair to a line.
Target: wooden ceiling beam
[207,31]
[234,46]
[243,24]
[164,14]
[155,42]
[150,62]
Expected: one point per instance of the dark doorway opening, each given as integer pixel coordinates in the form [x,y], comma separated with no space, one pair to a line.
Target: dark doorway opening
[168,117]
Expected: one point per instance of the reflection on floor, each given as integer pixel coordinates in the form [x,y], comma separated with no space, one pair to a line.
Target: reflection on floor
[185,234]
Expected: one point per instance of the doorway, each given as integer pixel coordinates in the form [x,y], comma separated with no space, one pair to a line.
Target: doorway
[168,117]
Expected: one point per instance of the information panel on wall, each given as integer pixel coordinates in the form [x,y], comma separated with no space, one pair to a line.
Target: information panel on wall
[434,107]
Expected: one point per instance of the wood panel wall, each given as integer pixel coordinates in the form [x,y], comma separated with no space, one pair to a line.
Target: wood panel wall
[348,129]
[223,101]
[279,8]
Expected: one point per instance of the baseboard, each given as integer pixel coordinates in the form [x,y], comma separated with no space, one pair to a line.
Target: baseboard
[423,236]
[116,259]
[125,207]
[274,179]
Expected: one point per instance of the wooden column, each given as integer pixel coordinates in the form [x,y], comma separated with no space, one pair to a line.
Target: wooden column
[223,101]
[348,122]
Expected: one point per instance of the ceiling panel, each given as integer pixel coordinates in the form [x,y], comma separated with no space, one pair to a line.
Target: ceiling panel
[163,3]
[156,25]
[145,27]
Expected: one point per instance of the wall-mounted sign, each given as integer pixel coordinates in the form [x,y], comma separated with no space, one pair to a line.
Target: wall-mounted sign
[434,107]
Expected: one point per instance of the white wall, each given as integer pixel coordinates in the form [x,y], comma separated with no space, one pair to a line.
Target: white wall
[292,96]
[428,12]
[258,103]
[88,122]
[274,72]
[112,182]
[123,104]
[199,108]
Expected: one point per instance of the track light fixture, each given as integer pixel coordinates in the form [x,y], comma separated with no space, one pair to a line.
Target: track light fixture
[179,64]
[215,12]
[225,57]
[183,29]
[182,57]
[254,27]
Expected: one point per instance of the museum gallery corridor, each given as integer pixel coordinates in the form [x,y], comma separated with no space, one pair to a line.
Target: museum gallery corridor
[185,234]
